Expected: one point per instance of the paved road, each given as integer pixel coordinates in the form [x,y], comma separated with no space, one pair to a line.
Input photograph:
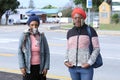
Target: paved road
[108,48]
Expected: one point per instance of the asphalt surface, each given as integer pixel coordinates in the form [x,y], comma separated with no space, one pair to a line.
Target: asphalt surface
[13,76]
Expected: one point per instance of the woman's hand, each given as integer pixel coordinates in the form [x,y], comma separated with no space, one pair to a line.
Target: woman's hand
[85,65]
[68,64]
[44,72]
[23,70]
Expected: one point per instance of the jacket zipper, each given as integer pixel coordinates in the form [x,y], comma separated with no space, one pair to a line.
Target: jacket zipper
[78,31]
[77,50]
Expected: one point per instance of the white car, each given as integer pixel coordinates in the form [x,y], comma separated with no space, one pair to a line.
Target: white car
[52,20]
[23,21]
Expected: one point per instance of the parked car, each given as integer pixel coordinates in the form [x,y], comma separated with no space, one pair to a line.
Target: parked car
[52,20]
[24,20]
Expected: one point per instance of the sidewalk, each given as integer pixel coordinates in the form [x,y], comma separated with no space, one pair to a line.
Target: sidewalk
[56,27]
[13,76]
[108,32]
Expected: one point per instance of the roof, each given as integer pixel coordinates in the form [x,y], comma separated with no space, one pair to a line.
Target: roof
[50,11]
[35,11]
[38,11]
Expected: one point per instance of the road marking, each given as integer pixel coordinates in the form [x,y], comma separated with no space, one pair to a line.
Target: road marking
[53,44]
[7,55]
[10,70]
[62,39]
[8,48]
[16,40]
[58,77]
[48,75]
[8,40]
[50,44]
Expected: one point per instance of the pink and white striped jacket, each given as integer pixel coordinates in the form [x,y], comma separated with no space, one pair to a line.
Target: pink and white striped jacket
[78,46]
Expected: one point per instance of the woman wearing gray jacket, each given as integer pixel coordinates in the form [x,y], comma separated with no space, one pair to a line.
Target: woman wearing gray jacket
[33,52]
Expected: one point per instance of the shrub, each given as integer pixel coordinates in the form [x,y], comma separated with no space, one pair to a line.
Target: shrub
[115,18]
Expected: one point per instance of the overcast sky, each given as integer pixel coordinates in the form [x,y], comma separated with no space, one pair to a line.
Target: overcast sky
[42,3]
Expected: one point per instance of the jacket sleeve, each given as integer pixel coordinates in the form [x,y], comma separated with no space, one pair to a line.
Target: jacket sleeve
[94,55]
[66,55]
[47,53]
[67,50]
[96,50]
[21,57]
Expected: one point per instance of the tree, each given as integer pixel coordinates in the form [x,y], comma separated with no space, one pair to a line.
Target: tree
[109,2]
[49,7]
[31,4]
[96,3]
[115,18]
[79,2]
[67,12]
[6,6]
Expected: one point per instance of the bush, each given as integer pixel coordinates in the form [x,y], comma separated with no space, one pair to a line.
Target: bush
[115,18]
[67,12]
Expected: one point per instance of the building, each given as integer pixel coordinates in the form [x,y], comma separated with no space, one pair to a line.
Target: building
[22,15]
[104,13]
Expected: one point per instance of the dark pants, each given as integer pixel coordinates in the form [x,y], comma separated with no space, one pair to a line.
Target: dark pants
[34,75]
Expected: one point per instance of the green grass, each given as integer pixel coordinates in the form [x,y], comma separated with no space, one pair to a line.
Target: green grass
[115,27]
[67,26]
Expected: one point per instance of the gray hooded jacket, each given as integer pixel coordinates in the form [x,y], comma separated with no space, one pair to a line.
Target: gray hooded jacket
[24,54]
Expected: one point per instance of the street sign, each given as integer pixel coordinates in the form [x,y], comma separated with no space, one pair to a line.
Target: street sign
[89,3]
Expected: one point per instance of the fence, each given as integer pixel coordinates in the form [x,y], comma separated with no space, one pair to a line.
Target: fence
[95,15]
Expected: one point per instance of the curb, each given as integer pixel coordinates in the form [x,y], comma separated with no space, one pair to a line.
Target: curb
[13,76]
[100,32]
[112,33]
[53,27]
[15,73]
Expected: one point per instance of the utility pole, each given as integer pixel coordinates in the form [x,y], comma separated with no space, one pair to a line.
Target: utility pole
[89,6]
